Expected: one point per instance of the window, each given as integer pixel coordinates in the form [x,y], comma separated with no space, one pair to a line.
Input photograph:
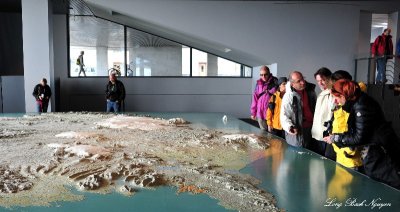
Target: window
[139,54]
[205,64]
[199,63]
[150,55]
[102,43]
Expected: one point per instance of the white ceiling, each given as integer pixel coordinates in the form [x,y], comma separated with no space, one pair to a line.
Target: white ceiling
[379,21]
[141,39]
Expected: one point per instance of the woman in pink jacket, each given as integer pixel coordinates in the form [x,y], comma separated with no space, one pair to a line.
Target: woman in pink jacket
[265,88]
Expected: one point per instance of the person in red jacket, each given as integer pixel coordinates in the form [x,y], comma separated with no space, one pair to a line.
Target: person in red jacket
[382,49]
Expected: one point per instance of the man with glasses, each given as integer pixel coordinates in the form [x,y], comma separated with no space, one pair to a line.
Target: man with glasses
[265,87]
[298,105]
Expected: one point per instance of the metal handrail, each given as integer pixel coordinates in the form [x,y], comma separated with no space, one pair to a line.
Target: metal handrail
[391,64]
[366,58]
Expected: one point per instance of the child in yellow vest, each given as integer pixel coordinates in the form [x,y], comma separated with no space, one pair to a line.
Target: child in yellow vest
[274,109]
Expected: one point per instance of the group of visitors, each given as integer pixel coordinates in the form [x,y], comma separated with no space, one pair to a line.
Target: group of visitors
[115,95]
[342,123]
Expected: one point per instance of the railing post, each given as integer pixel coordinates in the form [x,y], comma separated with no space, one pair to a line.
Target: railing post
[369,71]
[355,69]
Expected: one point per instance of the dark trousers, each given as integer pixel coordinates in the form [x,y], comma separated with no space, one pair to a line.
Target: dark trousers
[320,147]
[309,141]
[381,69]
[330,152]
[41,106]
[279,133]
[325,149]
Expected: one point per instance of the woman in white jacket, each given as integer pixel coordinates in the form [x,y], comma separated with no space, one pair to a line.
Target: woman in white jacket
[323,112]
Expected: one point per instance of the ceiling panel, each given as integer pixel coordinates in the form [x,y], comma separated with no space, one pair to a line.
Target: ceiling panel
[90,31]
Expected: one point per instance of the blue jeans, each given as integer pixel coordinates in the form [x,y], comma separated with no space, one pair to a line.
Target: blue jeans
[41,106]
[112,106]
[381,69]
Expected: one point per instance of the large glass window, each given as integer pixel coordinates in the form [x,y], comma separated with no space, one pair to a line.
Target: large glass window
[185,61]
[247,71]
[150,55]
[205,64]
[103,43]
[199,63]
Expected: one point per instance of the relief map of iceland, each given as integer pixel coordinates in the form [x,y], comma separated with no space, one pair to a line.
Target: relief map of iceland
[44,156]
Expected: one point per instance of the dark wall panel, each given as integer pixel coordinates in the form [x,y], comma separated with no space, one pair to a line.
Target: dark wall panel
[11,51]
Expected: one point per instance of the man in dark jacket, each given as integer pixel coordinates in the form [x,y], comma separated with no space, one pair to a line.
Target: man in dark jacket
[42,94]
[115,94]
[383,50]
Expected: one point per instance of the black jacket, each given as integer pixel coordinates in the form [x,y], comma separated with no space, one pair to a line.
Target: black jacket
[367,127]
[39,90]
[365,115]
[115,92]
[312,96]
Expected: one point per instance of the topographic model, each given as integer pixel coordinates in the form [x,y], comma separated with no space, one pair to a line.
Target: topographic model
[42,155]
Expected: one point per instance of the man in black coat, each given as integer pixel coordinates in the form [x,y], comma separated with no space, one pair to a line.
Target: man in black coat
[42,94]
[115,94]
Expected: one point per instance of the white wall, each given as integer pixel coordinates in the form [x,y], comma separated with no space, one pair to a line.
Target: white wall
[300,37]
[376,32]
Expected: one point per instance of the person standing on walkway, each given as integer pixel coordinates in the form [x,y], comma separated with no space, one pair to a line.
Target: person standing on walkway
[382,49]
[81,64]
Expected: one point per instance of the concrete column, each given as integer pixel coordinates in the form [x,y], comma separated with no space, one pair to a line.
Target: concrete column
[131,61]
[212,65]
[60,44]
[102,61]
[364,38]
[37,46]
